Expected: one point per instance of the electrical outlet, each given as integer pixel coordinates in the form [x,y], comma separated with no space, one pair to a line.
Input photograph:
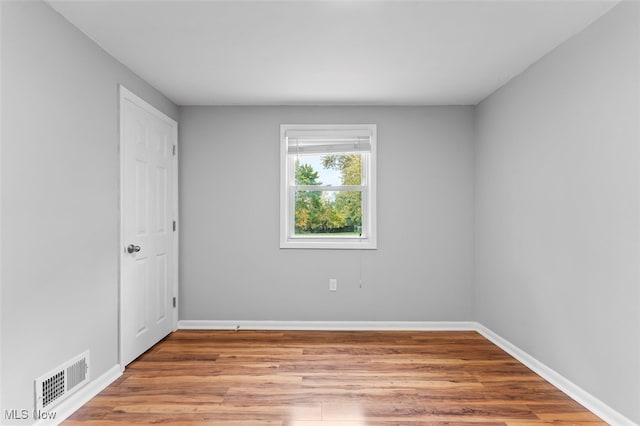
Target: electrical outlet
[333,284]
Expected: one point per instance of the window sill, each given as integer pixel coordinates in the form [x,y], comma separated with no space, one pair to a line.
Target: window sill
[318,243]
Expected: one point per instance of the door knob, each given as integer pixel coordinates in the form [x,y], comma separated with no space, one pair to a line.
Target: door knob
[133,249]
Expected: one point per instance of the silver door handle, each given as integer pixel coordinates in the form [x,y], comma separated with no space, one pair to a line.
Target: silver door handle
[133,249]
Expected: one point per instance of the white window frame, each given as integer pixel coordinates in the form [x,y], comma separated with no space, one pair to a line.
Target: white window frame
[368,238]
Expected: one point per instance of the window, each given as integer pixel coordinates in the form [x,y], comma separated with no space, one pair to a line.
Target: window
[328,186]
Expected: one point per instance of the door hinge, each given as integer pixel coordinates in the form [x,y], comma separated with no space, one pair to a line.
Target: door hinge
[174,302]
[174,226]
[174,150]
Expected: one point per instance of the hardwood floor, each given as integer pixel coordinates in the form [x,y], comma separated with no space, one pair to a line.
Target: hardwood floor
[302,378]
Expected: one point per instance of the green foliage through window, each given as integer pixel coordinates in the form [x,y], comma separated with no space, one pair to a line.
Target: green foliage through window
[327,211]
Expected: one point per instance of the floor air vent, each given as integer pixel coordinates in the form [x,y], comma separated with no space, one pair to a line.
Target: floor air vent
[61,382]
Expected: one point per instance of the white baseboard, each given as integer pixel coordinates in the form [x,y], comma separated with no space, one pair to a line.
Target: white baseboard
[66,408]
[329,325]
[583,397]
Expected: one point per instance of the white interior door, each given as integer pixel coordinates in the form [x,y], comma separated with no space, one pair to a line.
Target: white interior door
[148,264]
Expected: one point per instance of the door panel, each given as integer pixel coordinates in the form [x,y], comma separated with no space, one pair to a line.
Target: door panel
[148,203]
[141,280]
[161,198]
[161,291]
[140,195]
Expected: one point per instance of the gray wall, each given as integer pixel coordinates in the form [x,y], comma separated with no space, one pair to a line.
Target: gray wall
[60,179]
[558,217]
[232,267]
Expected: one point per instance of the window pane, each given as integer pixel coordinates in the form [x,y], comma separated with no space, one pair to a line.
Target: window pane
[328,213]
[328,169]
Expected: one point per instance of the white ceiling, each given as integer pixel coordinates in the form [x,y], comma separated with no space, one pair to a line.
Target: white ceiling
[310,52]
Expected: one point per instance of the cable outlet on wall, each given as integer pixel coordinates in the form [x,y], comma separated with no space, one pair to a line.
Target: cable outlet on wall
[333,284]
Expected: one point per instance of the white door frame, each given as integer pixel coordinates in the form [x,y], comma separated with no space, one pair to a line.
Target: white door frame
[126,94]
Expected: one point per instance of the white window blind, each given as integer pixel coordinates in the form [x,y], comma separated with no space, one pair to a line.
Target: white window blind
[327,141]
